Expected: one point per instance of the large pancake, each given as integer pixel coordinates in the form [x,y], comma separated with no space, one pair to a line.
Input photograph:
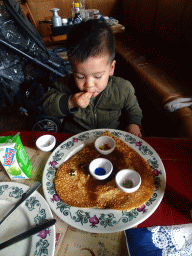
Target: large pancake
[76,187]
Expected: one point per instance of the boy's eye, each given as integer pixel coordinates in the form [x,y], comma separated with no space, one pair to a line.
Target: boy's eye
[98,77]
[79,77]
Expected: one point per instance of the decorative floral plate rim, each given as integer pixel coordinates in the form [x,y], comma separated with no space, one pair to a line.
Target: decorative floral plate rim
[102,220]
[37,211]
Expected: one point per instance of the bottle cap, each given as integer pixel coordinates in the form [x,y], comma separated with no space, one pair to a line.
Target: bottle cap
[76,5]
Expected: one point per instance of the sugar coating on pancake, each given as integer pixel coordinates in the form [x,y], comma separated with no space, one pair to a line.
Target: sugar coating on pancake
[76,187]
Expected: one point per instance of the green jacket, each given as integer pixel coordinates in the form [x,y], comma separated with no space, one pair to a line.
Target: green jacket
[115,106]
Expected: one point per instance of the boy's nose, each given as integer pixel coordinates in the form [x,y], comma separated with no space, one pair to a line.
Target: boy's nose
[89,84]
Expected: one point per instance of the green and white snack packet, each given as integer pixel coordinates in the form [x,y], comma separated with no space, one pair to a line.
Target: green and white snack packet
[14,157]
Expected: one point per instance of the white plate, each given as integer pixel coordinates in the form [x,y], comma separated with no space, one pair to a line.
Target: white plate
[32,211]
[102,220]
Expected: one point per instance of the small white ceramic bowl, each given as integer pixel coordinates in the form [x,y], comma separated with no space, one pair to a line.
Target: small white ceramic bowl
[101,141]
[46,142]
[128,180]
[96,172]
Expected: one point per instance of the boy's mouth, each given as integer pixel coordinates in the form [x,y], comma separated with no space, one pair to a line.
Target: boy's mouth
[93,93]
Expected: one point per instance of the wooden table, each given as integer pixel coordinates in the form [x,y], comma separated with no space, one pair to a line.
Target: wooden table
[176,155]
[118,28]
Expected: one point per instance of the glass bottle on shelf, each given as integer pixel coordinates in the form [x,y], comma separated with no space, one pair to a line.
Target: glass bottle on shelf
[70,20]
[82,8]
[77,18]
[73,10]
[82,4]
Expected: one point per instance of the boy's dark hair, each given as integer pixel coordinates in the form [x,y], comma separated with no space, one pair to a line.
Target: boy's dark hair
[89,39]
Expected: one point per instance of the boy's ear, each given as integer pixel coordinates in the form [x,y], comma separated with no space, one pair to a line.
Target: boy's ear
[112,68]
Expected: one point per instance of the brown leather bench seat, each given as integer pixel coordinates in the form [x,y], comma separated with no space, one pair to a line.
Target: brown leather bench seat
[160,61]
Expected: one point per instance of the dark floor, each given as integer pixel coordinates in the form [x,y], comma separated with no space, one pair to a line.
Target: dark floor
[11,119]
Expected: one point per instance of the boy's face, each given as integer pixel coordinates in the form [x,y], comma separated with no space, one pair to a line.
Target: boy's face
[92,75]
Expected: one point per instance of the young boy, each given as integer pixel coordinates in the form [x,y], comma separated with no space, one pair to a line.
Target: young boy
[92,97]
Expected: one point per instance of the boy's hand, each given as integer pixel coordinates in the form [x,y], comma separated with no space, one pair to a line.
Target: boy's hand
[80,99]
[134,129]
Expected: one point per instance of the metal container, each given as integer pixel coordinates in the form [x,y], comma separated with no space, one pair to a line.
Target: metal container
[56,19]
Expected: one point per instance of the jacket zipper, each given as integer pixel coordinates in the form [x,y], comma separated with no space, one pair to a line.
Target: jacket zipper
[95,117]
[95,112]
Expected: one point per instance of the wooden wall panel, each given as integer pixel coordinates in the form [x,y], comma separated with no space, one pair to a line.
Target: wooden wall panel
[186,23]
[41,11]
[139,14]
[146,11]
[106,7]
[169,18]
[129,10]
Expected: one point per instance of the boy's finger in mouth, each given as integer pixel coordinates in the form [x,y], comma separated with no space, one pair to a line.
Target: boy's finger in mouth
[92,93]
